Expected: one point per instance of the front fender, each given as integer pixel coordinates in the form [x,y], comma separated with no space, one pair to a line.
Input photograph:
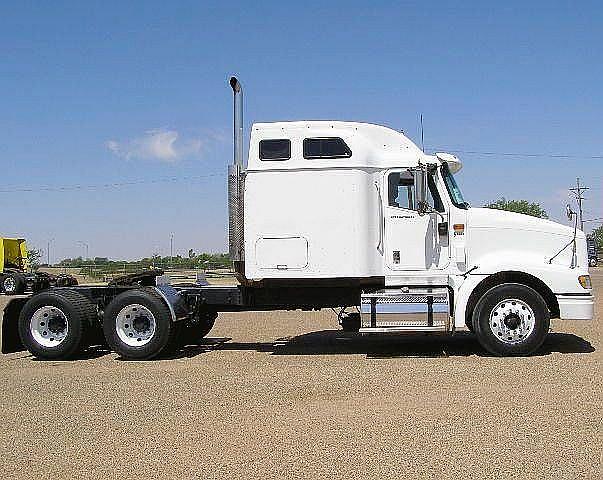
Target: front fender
[462,294]
[559,278]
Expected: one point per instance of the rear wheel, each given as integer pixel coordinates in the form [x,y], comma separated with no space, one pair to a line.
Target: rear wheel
[138,324]
[13,284]
[53,325]
[511,319]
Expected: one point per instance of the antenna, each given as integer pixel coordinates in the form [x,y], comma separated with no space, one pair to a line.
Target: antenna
[422,142]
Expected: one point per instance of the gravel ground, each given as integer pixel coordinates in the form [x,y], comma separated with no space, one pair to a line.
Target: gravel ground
[286,395]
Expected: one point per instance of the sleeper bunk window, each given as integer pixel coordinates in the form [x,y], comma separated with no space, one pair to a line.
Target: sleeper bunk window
[330,147]
[275,149]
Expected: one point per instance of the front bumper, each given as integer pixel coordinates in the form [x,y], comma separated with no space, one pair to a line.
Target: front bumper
[576,307]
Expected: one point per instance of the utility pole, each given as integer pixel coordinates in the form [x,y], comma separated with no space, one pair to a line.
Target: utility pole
[171,248]
[155,254]
[86,247]
[48,250]
[577,192]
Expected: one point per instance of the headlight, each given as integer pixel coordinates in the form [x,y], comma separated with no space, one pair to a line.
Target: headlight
[585,281]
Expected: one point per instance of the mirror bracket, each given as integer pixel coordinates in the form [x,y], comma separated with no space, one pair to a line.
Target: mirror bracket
[420,185]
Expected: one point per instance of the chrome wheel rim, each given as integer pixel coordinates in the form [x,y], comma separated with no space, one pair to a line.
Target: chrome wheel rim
[512,321]
[9,284]
[49,326]
[135,325]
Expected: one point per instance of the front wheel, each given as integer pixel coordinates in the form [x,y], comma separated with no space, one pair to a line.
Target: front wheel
[13,284]
[511,319]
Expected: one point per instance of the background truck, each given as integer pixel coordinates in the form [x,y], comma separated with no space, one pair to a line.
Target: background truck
[349,215]
[591,246]
[15,274]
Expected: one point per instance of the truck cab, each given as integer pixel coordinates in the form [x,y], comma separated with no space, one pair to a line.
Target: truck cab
[335,204]
[591,246]
[13,265]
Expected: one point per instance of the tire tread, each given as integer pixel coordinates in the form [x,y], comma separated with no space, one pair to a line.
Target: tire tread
[83,309]
[150,350]
[490,342]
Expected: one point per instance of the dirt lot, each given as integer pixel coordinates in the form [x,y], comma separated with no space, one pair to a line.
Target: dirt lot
[286,395]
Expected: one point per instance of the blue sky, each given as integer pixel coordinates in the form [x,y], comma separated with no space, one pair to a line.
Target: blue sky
[135,94]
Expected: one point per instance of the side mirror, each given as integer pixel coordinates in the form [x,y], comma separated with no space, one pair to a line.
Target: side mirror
[569,212]
[420,184]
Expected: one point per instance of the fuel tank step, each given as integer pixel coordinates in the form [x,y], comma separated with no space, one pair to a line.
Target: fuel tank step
[406,309]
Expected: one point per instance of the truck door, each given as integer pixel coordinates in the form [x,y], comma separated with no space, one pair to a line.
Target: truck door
[413,241]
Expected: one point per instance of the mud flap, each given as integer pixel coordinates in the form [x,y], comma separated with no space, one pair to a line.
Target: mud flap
[9,318]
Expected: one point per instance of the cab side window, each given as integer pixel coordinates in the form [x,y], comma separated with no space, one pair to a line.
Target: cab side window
[278,149]
[401,191]
[326,147]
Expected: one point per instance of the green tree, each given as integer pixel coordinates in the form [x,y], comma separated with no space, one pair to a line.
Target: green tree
[34,257]
[598,236]
[518,206]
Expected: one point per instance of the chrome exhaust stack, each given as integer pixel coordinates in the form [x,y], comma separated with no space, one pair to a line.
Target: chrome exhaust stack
[236,183]
[237,92]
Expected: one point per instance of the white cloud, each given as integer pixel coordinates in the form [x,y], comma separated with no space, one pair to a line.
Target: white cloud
[160,144]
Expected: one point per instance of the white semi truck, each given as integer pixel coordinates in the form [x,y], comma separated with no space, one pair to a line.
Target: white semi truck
[351,215]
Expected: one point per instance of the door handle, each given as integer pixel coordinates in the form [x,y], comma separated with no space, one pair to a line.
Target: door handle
[381,218]
[443,228]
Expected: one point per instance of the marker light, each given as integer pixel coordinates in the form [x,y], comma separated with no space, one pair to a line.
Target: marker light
[585,281]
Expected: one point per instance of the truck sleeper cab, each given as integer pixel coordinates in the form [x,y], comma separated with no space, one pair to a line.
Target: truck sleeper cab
[351,215]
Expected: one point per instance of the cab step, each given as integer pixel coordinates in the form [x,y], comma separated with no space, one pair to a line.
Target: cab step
[405,309]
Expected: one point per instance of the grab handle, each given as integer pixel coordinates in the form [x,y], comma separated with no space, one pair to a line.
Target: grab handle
[381,219]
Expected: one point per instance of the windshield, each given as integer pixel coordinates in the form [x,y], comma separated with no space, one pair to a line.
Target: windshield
[453,189]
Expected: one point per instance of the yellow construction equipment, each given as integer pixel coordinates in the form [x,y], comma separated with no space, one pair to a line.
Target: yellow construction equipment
[15,277]
[13,265]
[13,254]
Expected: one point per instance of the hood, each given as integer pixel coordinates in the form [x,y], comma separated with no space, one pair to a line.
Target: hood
[501,235]
[492,218]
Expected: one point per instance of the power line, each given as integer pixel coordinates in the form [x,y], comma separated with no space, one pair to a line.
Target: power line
[577,192]
[518,154]
[62,188]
